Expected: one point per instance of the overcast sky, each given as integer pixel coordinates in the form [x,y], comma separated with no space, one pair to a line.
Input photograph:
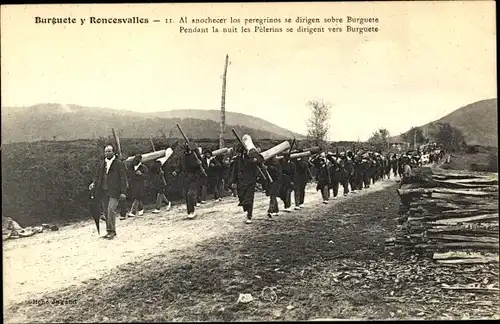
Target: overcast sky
[427,60]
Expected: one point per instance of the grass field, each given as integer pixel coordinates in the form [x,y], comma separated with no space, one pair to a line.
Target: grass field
[484,159]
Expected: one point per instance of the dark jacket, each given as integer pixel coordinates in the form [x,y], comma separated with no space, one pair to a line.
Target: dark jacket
[335,174]
[137,182]
[213,169]
[303,176]
[244,171]
[116,179]
[322,172]
[344,171]
[244,175]
[225,168]
[274,169]
[188,165]
[349,166]
[289,174]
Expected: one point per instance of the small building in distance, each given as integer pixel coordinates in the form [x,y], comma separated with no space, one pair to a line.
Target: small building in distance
[398,145]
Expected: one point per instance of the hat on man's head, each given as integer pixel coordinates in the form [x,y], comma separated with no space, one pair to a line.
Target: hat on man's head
[191,146]
[240,148]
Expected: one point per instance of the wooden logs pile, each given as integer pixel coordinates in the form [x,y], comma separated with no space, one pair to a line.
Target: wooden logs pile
[456,219]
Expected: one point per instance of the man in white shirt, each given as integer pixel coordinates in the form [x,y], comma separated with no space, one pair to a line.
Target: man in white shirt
[111,186]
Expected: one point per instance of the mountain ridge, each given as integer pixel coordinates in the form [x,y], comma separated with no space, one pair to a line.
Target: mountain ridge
[53,121]
[231,119]
[477,121]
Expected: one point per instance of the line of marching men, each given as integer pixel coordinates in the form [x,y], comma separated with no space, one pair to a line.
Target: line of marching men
[285,173]
[348,171]
[219,174]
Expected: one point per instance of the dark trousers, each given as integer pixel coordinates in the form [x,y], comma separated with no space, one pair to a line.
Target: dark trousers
[191,198]
[249,209]
[273,205]
[352,182]
[216,186]
[160,199]
[199,193]
[395,170]
[335,188]
[219,189]
[300,193]
[325,193]
[226,190]
[345,185]
[366,180]
[358,182]
[288,198]
[203,193]
[136,206]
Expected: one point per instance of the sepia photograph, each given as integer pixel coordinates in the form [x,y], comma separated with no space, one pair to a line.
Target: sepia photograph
[249,161]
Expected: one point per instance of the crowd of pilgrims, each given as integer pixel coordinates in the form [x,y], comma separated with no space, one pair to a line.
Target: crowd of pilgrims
[238,176]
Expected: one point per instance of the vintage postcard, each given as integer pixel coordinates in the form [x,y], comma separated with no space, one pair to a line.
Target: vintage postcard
[249,161]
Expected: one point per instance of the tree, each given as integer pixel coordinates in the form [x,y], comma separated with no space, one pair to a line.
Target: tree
[384,134]
[450,137]
[410,136]
[318,124]
[379,139]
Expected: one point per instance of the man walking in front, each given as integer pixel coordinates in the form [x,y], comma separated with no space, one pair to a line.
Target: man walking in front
[244,175]
[111,186]
[302,171]
[191,166]
[288,181]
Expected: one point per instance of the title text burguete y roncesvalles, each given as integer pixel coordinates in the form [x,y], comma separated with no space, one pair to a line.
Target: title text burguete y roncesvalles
[260,25]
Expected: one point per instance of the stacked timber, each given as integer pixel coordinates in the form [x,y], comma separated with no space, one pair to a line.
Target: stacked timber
[452,215]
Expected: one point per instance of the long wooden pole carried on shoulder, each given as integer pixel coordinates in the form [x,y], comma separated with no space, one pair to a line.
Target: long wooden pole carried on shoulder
[262,170]
[196,152]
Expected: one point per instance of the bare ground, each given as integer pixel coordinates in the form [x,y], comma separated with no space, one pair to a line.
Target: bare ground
[323,261]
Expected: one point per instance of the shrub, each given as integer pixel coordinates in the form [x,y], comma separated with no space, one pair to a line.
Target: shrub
[472,149]
[493,162]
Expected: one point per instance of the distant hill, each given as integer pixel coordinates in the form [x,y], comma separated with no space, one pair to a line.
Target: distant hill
[231,119]
[69,122]
[478,122]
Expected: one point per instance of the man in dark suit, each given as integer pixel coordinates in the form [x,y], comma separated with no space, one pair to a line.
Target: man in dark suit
[190,166]
[288,181]
[110,186]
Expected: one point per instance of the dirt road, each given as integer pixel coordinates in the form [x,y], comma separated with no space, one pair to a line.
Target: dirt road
[48,262]
[325,261]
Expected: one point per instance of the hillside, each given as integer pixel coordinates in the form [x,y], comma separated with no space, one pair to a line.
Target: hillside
[69,122]
[478,122]
[231,119]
